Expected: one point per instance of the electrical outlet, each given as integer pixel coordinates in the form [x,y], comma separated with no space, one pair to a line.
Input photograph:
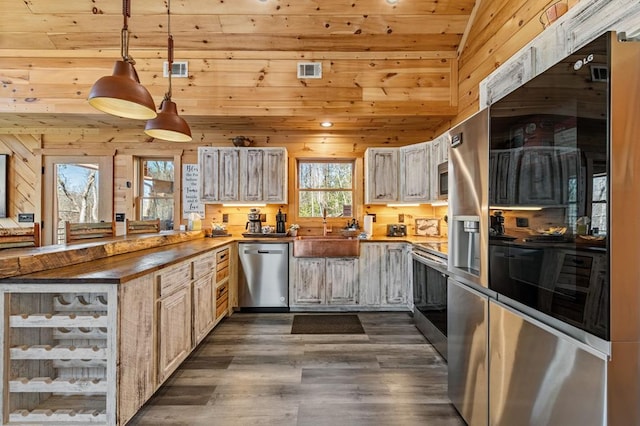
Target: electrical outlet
[522,222]
[25,217]
[401,218]
[225,217]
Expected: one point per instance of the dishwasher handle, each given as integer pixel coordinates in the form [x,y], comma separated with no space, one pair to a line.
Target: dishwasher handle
[248,251]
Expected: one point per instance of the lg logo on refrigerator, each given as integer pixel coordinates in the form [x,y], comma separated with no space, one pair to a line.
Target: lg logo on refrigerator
[580,62]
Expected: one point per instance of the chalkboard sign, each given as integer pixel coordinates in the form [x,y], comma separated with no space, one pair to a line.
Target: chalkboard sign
[190,194]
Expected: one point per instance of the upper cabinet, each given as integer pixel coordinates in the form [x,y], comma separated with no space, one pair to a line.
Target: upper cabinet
[218,174]
[243,175]
[381,175]
[408,174]
[415,173]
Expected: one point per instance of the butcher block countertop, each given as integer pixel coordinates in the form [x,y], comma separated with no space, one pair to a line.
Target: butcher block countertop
[121,259]
[115,260]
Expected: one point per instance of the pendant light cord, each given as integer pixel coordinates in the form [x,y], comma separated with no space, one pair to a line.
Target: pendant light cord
[167,95]
[124,34]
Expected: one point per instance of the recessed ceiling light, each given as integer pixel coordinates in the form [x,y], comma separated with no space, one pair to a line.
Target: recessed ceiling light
[392,1]
[326,124]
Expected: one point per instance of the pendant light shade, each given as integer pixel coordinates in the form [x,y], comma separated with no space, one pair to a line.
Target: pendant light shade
[168,125]
[121,94]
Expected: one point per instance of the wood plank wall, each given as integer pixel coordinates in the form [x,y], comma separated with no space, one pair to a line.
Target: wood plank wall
[23,183]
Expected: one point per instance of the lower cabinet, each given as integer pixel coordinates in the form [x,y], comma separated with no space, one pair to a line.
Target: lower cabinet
[174,331]
[378,279]
[203,307]
[324,281]
[384,274]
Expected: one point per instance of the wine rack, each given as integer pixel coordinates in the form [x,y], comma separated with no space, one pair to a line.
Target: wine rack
[59,347]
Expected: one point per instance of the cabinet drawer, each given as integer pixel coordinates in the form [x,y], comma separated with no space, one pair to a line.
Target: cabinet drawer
[222,255]
[222,299]
[203,265]
[173,277]
[222,274]
[222,265]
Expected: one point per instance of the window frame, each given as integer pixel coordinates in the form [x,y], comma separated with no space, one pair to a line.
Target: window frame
[177,190]
[356,190]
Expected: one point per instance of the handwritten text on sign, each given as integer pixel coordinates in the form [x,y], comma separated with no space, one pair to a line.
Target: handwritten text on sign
[190,198]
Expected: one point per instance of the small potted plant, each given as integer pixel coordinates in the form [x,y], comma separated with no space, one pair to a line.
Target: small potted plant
[293,229]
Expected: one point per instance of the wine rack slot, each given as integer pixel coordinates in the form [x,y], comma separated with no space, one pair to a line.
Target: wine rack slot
[82,417]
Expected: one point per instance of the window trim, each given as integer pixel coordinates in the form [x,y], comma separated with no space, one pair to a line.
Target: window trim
[177,185]
[356,188]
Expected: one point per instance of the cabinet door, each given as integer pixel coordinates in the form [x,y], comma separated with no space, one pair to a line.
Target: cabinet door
[395,275]
[208,173]
[371,270]
[539,178]
[251,174]
[174,331]
[309,278]
[228,175]
[275,175]
[381,175]
[415,173]
[203,307]
[342,281]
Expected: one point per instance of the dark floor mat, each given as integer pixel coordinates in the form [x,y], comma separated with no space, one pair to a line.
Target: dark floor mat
[326,324]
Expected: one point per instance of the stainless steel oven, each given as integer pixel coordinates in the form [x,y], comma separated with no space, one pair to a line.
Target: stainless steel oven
[430,293]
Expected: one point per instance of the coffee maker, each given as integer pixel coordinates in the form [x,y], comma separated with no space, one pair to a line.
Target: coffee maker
[281,218]
[254,225]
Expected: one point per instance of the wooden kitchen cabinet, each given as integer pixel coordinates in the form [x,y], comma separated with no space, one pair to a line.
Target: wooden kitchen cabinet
[174,317]
[203,306]
[381,175]
[308,286]
[384,274]
[218,174]
[341,281]
[415,173]
[263,175]
[539,177]
[324,281]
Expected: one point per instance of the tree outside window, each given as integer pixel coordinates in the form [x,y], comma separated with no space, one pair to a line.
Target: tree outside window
[156,191]
[324,185]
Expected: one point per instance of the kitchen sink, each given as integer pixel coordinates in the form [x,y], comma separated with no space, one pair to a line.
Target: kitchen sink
[326,246]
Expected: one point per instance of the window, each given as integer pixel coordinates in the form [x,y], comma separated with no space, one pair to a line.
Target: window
[324,185]
[79,189]
[156,191]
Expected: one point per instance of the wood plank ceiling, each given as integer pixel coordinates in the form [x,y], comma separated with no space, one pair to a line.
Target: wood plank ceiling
[390,71]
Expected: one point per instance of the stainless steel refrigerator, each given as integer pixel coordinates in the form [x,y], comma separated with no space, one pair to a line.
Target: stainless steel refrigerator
[468,294]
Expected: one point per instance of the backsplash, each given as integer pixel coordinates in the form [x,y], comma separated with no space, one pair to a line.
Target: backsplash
[237,218]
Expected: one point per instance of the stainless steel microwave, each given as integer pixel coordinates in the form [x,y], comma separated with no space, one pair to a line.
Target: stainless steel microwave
[443,181]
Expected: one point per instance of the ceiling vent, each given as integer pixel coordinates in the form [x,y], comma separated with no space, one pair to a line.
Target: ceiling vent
[599,73]
[309,70]
[178,69]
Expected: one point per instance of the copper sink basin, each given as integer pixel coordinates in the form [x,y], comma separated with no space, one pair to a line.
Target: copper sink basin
[329,246]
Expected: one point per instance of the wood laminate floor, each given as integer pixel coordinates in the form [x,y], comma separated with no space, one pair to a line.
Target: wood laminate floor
[251,371]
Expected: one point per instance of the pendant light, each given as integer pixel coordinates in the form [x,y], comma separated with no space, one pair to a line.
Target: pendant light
[168,125]
[121,94]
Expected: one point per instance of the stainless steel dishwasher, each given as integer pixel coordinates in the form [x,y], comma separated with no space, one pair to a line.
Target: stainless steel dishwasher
[264,275]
